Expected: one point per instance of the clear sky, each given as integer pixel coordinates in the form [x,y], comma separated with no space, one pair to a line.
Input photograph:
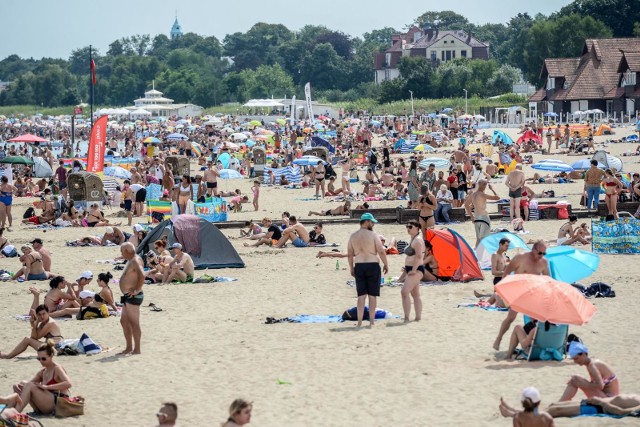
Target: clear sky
[53,28]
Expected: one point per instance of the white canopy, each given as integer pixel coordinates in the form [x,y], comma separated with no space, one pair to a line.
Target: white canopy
[263,103]
[140,112]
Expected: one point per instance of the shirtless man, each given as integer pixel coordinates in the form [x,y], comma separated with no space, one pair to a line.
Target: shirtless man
[363,251]
[603,381]
[532,262]
[295,232]
[498,265]
[132,296]
[340,210]
[113,235]
[623,404]
[181,268]
[480,216]
[515,182]
[44,253]
[211,176]
[127,195]
[491,169]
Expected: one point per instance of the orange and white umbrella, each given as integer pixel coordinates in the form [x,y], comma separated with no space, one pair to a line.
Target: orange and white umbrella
[545,299]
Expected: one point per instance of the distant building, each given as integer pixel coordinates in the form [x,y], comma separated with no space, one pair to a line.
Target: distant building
[438,46]
[4,85]
[157,105]
[604,77]
[176,30]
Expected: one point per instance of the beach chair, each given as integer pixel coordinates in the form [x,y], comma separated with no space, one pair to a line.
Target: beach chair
[553,339]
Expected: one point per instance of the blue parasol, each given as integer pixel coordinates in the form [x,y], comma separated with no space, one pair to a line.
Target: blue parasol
[568,264]
[585,164]
[552,167]
[308,161]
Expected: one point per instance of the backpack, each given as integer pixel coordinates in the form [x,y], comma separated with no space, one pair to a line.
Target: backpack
[29,213]
[352,314]
[373,159]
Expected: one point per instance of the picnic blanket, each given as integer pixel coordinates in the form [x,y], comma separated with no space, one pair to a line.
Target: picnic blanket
[621,236]
[483,305]
[395,284]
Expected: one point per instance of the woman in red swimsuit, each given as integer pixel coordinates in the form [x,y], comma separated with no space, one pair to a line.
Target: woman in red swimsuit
[612,187]
[49,383]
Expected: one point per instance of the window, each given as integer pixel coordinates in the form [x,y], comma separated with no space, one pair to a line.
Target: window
[387,75]
[433,55]
[387,60]
[442,52]
[453,54]
[551,83]
[453,41]
[445,42]
[629,79]
[463,53]
[448,55]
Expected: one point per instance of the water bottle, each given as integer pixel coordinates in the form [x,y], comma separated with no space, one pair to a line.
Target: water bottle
[337,264]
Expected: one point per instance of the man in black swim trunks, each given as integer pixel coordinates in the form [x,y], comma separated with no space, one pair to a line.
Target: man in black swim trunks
[211,177]
[363,251]
[132,296]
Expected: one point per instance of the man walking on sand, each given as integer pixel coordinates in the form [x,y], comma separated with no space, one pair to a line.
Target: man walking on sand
[532,262]
[363,251]
[515,182]
[480,216]
[132,296]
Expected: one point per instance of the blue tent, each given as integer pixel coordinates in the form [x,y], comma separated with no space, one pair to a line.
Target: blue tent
[398,144]
[224,158]
[506,139]
[316,141]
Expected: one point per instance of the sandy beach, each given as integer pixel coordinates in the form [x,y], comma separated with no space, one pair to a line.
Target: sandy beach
[210,345]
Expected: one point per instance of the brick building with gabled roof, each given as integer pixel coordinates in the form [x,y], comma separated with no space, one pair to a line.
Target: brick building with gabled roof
[603,78]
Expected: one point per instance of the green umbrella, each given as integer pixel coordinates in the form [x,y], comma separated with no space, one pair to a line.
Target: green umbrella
[255,123]
[17,160]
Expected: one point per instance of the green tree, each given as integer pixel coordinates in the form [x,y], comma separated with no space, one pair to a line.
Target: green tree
[209,46]
[160,46]
[116,48]
[419,75]
[79,60]
[636,29]
[445,20]
[503,79]
[342,43]
[324,68]
[619,15]
[393,90]
[270,81]
[381,38]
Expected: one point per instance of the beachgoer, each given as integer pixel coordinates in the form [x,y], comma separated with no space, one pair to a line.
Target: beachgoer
[32,265]
[296,233]
[128,200]
[50,383]
[622,404]
[131,284]
[412,185]
[319,172]
[592,181]
[106,294]
[479,215]
[522,335]
[532,262]
[6,200]
[340,210]
[37,244]
[316,238]
[167,415]
[114,235]
[444,199]
[181,268]
[612,187]
[603,381]
[414,269]
[59,303]
[427,205]
[531,416]
[364,250]
[256,194]
[185,193]
[211,176]
[515,182]
[567,235]
[239,413]
[498,265]
[42,326]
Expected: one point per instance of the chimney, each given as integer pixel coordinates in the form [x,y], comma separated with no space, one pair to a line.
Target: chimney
[469,38]
[427,30]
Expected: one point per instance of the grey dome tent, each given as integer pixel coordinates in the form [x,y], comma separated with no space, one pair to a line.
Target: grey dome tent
[609,161]
[202,240]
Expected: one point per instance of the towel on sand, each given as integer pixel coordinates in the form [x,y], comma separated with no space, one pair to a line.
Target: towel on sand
[483,305]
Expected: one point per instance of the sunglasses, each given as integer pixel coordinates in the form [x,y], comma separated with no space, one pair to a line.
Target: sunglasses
[42,359]
[540,252]
[410,226]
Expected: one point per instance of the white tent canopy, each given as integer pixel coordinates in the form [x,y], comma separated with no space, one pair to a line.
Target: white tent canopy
[140,112]
[263,103]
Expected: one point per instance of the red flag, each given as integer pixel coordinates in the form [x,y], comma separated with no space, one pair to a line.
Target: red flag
[93,71]
[97,145]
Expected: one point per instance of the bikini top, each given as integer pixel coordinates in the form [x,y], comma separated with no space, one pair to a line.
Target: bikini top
[409,251]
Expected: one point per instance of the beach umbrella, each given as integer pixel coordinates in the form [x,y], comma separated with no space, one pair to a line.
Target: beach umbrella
[489,245]
[439,162]
[569,264]
[177,137]
[308,161]
[551,114]
[375,122]
[239,136]
[585,164]
[117,172]
[27,137]
[230,174]
[281,121]
[447,110]
[151,140]
[17,160]
[545,299]
[479,117]
[197,148]
[255,123]
[552,167]
[249,143]
[424,147]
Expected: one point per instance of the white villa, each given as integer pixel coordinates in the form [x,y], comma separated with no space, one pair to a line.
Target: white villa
[157,105]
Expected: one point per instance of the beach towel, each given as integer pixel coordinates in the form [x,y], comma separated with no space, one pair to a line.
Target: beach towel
[214,279]
[395,284]
[187,231]
[154,192]
[633,414]
[483,305]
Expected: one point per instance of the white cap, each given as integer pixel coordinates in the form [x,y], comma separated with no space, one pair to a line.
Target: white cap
[137,227]
[530,393]
[87,294]
[108,230]
[86,275]
[176,246]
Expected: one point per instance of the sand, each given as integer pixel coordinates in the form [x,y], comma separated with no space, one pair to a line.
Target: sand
[210,344]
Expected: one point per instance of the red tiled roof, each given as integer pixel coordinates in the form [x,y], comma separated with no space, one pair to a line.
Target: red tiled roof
[614,93]
[539,96]
[559,67]
[630,61]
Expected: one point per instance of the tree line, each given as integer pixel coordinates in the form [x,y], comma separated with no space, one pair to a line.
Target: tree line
[271,60]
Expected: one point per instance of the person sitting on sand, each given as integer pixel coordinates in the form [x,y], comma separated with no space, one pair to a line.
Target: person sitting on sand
[331,190]
[95,217]
[85,278]
[254,231]
[270,237]
[316,238]
[92,306]
[365,205]
[237,201]
[48,211]
[139,234]
[621,405]
[57,300]
[167,415]
[531,416]
[522,335]
[567,235]
[106,294]
[42,326]
[181,269]
[239,413]
[38,246]
[158,265]
[46,386]
[340,210]
[296,232]
[603,381]
[114,235]
[32,265]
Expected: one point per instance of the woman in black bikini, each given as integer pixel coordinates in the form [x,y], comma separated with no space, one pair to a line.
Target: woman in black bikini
[318,176]
[42,326]
[427,204]
[430,264]
[414,269]
[95,218]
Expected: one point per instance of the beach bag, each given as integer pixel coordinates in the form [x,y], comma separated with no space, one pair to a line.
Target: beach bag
[600,290]
[69,406]
[29,213]
[352,314]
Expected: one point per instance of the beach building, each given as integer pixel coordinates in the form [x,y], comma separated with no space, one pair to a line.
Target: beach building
[436,45]
[176,30]
[155,103]
[604,77]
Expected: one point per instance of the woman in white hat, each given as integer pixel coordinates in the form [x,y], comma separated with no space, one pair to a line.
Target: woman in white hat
[531,416]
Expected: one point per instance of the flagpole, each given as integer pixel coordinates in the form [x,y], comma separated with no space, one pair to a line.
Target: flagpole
[91,83]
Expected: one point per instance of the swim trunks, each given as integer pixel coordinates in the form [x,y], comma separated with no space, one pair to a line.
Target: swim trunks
[588,409]
[132,300]
[482,224]
[367,275]
[409,268]
[128,204]
[141,195]
[212,184]
[515,194]
[41,276]
[299,243]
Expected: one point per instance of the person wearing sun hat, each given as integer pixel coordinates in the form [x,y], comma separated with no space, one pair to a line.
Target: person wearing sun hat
[85,278]
[602,382]
[531,415]
[364,252]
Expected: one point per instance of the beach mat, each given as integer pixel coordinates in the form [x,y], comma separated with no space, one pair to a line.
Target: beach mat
[485,306]
[309,318]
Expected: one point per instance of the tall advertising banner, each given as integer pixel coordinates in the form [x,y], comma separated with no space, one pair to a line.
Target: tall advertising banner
[97,145]
[307,94]
[293,110]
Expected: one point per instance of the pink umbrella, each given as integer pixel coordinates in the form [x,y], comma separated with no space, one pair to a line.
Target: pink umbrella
[27,137]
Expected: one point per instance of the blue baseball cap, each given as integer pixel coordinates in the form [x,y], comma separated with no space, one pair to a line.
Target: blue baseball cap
[368,217]
[575,348]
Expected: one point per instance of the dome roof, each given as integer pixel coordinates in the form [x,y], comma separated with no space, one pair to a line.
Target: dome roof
[176,29]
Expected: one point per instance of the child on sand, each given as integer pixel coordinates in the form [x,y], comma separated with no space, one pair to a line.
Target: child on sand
[256,193]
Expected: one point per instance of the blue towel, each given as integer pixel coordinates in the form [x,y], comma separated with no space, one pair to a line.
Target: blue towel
[475,305]
[635,414]
[307,318]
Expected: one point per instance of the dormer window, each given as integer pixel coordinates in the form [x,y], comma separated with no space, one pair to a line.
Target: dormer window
[629,79]
[551,83]
[387,60]
[565,85]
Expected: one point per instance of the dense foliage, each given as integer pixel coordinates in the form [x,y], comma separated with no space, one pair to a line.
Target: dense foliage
[269,60]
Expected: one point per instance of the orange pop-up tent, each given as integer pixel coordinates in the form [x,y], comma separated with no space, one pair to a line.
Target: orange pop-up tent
[456,259]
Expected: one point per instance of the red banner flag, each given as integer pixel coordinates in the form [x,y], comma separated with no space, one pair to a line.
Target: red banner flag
[97,145]
[93,71]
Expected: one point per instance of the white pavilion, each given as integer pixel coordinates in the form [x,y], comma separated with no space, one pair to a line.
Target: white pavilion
[159,106]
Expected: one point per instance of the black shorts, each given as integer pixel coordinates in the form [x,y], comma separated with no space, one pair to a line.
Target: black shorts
[189,153]
[62,185]
[454,193]
[368,275]
[132,299]
[409,268]
[127,205]
[141,195]
[515,194]
[496,280]
[212,184]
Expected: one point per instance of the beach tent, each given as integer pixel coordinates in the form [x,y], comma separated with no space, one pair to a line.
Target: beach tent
[489,245]
[455,257]
[604,130]
[42,168]
[608,160]
[202,240]
[529,135]
[506,139]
